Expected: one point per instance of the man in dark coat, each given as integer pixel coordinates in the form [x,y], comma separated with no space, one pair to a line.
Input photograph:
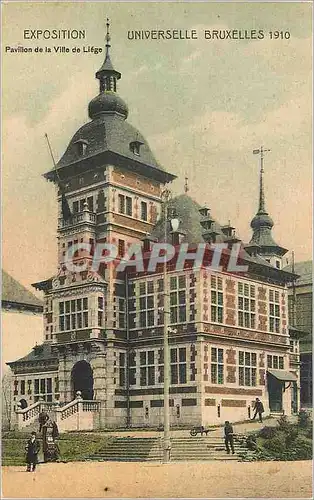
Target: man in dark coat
[259,409]
[32,449]
[229,437]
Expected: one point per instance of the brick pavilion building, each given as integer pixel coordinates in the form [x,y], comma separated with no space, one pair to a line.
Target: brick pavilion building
[103,330]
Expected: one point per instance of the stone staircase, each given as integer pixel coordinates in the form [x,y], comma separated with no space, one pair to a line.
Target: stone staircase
[128,449]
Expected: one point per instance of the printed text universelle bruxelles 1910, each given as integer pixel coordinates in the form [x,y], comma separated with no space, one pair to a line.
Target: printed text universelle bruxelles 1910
[138,35]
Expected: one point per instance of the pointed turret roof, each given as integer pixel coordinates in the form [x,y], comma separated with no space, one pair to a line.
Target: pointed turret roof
[262,223]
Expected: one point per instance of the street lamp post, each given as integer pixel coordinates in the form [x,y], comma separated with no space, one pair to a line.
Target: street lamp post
[166,196]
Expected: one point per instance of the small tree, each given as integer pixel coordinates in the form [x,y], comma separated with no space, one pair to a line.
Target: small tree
[7,380]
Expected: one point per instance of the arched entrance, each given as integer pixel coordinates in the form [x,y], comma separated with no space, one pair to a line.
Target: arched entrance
[82,379]
[23,403]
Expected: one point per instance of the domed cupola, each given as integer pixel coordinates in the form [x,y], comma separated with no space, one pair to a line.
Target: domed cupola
[107,101]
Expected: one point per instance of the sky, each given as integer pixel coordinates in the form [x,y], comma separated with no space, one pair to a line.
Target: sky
[203,105]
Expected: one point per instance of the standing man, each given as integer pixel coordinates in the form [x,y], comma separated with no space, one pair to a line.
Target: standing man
[32,449]
[259,409]
[229,437]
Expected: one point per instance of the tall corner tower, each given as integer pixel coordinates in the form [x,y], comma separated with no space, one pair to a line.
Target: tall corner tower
[109,190]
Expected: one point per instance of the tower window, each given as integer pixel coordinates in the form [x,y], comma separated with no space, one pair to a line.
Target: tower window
[121,248]
[81,147]
[143,210]
[125,205]
[135,147]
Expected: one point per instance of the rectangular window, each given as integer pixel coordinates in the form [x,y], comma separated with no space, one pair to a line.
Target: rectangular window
[247,368]
[122,368]
[276,362]
[42,386]
[128,206]
[143,210]
[217,366]
[121,202]
[274,311]
[178,365]
[90,203]
[36,386]
[147,368]
[69,317]
[49,385]
[246,305]
[178,299]
[121,248]
[22,387]
[146,305]
[217,299]
[75,207]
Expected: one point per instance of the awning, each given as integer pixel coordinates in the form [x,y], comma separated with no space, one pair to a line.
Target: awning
[283,375]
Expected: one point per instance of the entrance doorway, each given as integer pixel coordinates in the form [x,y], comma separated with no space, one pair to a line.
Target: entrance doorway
[274,387]
[82,380]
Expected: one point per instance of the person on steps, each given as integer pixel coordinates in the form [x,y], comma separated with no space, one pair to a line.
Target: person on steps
[229,437]
[259,409]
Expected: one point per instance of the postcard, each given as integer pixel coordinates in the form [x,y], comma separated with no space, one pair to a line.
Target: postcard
[156,243]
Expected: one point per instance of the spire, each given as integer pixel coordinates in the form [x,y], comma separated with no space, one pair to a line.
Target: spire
[107,75]
[261,206]
[262,223]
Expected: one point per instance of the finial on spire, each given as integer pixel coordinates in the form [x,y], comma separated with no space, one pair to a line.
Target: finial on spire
[261,205]
[186,185]
[108,36]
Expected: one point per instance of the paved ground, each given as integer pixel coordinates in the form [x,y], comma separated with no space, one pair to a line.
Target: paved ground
[151,480]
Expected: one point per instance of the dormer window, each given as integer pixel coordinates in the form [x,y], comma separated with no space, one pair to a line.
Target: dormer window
[81,147]
[135,147]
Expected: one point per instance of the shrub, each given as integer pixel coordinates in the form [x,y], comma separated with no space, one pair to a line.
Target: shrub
[267,432]
[276,444]
[291,434]
[283,423]
[304,419]
[303,448]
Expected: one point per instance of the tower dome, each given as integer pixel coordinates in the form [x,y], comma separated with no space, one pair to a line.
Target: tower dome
[107,101]
[261,219]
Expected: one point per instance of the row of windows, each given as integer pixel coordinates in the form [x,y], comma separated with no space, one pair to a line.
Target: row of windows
[40,387]
[73,314]
[151,302]
[125,206]
[247,366]
[78,206]
[151,367]
[246,305]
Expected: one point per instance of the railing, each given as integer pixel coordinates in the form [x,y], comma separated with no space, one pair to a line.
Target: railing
[30,412]
[69,409]
[78,218]
[58,413]
[91,405]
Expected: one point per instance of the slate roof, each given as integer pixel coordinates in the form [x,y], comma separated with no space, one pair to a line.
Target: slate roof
[39,353]
[15,294]
[304,270]
[187,210]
